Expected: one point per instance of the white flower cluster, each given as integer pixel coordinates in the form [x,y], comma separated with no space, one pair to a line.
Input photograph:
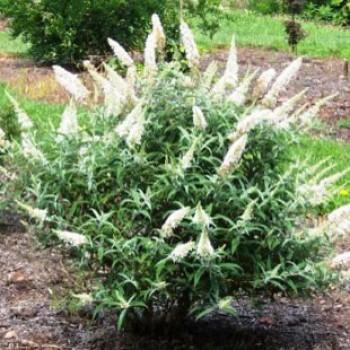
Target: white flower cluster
[233,156]
[30,151]
[72,238]
[230,78]
[191,50]
[204,248]
[173,221]
[132,127]
[71,83]
[69,122]
[34,213]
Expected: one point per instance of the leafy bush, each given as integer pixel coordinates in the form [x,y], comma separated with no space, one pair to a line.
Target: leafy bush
[337,11]
[67,31]
[267,7]
[180,188]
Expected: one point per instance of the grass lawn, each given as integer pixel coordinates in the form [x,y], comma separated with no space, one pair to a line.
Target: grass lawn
[44,115]
[268,32]
[11,46]
[316,149]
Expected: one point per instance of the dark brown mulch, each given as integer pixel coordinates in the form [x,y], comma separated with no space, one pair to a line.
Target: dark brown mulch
[33,280]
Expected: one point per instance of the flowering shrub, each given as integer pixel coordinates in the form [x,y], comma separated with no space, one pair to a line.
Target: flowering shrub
[181,186]
[68,31]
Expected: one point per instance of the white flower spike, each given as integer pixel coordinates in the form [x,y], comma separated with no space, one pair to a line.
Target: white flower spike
[281,82]
[158,31]
[199,120]
[182,250]
[201,217]
[34,213]
[120,53]
[71,83]
[173,221]
[72,238]
[233,156]
[230,78]
[191,50]
[204,246]
[263,83]
[150,55]
[69,122]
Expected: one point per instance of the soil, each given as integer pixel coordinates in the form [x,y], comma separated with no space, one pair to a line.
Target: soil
[34,279]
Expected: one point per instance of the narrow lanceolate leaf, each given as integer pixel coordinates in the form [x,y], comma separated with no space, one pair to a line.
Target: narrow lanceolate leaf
[270,100]
[204,246]
[182,250]
[199,120]
[173,221]
[150,55]
[71,83]
[158,31]
[191,50]
[34,213]
[120,53]
[230,78]
[233,156]
[69,121]
[23,118]
[331,180]
[72,238]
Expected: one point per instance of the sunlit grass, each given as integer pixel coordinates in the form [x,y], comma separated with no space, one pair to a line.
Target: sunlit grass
[8,45]
[268,32]
[316,149]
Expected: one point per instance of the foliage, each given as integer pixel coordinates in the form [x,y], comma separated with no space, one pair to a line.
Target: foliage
[337,11]
[67,31]
[267,7]
[181,188]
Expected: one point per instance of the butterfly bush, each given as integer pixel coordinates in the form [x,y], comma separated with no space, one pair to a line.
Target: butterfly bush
[181,185]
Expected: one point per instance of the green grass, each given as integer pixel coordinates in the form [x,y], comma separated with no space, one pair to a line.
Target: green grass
[44,115]
[9,45]
[316,149]
[256,30]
